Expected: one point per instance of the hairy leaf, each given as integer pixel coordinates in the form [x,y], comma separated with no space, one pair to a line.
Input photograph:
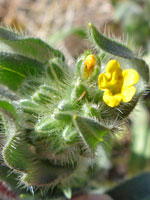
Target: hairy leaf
[30,47]
[15,68]
[109,45]
[44,173]
[91,132]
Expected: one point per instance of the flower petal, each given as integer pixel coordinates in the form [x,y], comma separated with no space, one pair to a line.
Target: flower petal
[113,66]
[103,80]
[90,61]
[130,76]
[128,93]
[112,100]
[112,79]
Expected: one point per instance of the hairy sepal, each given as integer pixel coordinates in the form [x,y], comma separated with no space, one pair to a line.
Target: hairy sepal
[91,131]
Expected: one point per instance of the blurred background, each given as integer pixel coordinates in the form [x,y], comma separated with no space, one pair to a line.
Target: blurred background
[63,24]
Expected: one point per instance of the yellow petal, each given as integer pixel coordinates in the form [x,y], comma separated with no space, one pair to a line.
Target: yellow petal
[128,93]
[90,61]
[112,81]
[103,81]
[113,66]
[130,76]
[112,100]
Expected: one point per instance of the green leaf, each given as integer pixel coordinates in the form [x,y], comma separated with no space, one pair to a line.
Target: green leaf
[15,68]
[44,173]
[46,126]
[92,132]
[109,45]
[30,47]
[18,154]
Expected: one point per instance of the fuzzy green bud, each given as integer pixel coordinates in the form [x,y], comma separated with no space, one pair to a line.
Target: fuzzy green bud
[79,91]
[63,116]
[91,110]
[56,69]
[70,135]
[65,105]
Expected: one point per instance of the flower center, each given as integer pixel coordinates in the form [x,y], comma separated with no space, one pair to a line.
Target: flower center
[114,82]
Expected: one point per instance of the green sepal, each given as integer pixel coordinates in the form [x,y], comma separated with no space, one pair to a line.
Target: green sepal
[94,75]
[70,135]
[29,106]
[109,45]
[79,65]
[65,105]
[40,97]
[57,69]
[91,110]
[63,116]
[14,69]
[79,91]
[91,131]
[96,95]
[46,126]
[45,94]
[50,91]
[27,46]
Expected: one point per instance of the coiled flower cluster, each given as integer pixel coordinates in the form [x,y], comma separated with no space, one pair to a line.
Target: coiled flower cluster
[58,117]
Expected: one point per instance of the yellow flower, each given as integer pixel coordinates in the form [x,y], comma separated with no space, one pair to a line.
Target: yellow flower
[89,65]
[117,84]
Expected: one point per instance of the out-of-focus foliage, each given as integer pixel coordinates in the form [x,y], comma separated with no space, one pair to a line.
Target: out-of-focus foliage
[134,19]
[140,147]
[136,188]
[65,32]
